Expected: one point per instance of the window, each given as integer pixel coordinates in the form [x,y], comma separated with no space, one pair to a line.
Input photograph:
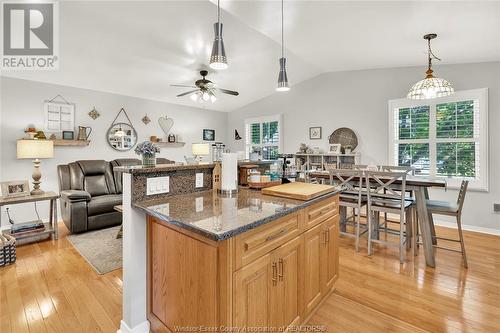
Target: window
[445,137]
[263,136]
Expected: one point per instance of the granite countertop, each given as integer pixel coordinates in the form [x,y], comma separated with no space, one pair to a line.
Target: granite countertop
[136,169]
[218,218]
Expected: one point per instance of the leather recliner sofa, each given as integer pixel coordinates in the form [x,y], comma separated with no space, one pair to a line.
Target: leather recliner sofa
[89,192]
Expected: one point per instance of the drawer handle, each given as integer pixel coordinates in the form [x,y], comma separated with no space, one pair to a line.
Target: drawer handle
[322,211]
[281,268]
[274,278]
[276,235]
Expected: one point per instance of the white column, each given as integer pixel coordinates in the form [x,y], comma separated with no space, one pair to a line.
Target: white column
[134,264]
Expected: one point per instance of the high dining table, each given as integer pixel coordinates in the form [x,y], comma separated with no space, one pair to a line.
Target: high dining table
[420,186]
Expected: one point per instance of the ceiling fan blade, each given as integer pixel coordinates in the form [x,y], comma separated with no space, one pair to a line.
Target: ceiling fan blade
[230,92]
[181,85]
[187,93]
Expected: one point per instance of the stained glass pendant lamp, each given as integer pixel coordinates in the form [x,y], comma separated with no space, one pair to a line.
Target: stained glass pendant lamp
[430,87]
[282,77]
[218,59]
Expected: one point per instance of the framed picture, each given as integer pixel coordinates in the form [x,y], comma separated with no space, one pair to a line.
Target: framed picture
[15,188]
[315,133]
[335,148]
[208,135]
[68,135]
[59,116]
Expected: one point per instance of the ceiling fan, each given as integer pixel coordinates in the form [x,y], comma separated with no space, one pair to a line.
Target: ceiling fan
[204,89]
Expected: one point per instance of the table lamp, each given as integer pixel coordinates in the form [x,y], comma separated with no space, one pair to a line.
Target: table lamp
[35,149]
[200,149]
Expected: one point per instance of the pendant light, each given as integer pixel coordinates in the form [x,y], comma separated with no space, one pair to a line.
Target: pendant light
[282,77]
[218,59]
[430,87]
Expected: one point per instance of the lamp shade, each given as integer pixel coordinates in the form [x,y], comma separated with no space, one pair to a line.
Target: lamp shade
[430,87]
[35,149]
[200,148]
[218,59]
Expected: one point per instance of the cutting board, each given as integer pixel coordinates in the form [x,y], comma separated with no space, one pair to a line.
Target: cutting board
[298,190]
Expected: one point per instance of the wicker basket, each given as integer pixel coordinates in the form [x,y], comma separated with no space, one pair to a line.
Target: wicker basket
[7,250]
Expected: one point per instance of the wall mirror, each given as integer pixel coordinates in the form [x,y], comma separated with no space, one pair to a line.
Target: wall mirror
[121,136]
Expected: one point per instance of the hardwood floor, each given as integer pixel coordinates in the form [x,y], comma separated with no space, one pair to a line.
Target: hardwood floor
[51,288]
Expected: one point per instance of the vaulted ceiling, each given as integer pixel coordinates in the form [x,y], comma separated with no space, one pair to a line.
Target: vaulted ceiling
[140,48]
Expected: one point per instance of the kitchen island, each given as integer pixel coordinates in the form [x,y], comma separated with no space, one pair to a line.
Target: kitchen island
[249,261]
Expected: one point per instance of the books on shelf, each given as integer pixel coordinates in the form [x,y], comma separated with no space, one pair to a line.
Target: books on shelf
[23,228]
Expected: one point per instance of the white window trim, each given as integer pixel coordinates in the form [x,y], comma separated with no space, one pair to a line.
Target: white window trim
[474,94]
[264,119]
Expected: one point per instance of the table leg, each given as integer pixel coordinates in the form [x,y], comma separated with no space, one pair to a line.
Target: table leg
[431,220]
[51,217]
[56,227]
[425,227]
[376,225]
[343,218]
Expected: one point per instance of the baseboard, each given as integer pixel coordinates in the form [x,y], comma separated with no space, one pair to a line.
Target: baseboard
[482,230]
[141,328]
[453,225]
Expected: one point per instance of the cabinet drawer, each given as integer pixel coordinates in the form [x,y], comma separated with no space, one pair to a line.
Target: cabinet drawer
[255,243]
[321,211]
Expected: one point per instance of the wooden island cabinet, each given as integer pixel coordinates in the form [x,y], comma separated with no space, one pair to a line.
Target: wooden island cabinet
[270,277]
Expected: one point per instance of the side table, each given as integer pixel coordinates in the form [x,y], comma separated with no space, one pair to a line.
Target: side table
[50,227]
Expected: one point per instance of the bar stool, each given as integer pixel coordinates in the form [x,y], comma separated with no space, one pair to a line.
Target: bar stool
[350,182]
[451,209]
[382,197]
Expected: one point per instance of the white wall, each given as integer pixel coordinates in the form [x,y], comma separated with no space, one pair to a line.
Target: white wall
[21,105]
[359,99]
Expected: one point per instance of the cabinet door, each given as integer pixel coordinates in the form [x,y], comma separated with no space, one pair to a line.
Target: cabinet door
[314,243]
[254,294]
[330,253]
[290,261]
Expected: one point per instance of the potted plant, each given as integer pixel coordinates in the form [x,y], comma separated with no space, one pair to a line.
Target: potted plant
[347,149]
[148,151]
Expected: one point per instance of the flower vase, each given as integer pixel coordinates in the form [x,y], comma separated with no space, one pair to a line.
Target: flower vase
[148,160]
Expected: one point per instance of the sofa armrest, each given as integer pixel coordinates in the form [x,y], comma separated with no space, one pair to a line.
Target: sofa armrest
[75,195]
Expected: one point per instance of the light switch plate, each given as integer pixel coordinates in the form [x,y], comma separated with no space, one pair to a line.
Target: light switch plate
[199,180]
[496,208]
[157,185]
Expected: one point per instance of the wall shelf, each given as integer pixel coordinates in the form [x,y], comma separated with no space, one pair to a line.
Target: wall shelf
[321,161]
[71,143]
[171,144]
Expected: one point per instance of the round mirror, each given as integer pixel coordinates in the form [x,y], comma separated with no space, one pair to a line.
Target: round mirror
[122,136]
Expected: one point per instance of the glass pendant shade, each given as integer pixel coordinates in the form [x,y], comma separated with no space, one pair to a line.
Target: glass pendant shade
[218,59]
[282,77]
[430,87]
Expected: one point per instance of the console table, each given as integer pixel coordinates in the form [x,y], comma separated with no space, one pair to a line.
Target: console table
[50,227]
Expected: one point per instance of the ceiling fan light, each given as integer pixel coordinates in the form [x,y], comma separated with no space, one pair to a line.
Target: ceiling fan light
[429,88]
[282,77]
[213,99]
[218,59]
[194,97]
[205,97]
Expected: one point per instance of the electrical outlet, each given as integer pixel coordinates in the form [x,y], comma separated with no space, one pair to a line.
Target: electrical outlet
[199,180]
[496,208]
[157,185]
[199,204]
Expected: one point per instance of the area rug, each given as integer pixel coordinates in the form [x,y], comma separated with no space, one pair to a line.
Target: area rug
[100,248]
